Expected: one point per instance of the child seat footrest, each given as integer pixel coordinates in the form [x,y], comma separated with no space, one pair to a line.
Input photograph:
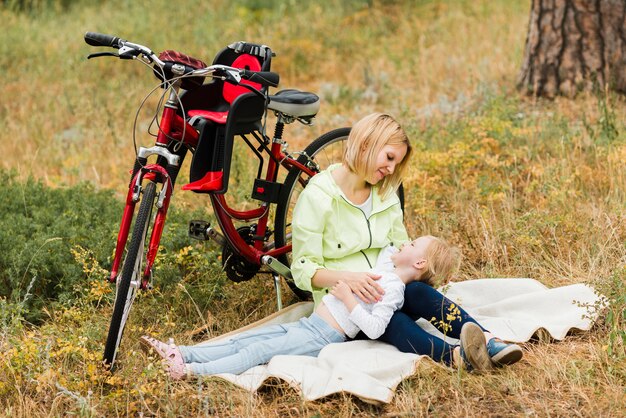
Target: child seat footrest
[212,115]
[211,181]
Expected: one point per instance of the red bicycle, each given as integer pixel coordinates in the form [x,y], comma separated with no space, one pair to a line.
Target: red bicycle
[203,111]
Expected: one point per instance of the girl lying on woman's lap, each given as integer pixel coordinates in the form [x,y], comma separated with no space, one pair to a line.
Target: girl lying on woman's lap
[340,315]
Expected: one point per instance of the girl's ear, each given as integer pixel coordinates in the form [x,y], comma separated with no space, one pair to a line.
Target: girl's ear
[420,264]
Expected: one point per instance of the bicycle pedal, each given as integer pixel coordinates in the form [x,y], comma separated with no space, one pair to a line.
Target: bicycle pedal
[198,230]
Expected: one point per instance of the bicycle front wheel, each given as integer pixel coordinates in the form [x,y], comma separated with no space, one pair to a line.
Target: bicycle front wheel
[324,151]
[129,281]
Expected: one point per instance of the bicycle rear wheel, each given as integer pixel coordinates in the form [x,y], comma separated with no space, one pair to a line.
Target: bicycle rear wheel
[129,281]
[324,151]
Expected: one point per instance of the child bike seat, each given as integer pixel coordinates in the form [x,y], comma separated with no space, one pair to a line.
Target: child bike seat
[212,101]
[295,103]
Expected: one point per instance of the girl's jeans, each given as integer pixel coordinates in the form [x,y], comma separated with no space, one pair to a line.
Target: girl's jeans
[423,301]
[238,354]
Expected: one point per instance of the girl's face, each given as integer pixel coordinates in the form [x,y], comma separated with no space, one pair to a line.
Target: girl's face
[386,161]
[412,252]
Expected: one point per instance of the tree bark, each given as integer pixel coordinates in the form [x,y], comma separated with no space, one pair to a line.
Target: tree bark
[574,45]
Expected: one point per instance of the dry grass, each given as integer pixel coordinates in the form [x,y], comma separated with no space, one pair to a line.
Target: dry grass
[528,188]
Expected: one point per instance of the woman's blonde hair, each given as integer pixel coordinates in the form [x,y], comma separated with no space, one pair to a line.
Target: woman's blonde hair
[367,138]
[442,260]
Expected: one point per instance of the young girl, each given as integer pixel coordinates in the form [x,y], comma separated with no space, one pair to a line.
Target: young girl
[338,316]
[344,217]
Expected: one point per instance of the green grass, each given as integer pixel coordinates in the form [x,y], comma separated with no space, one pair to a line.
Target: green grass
[527,188]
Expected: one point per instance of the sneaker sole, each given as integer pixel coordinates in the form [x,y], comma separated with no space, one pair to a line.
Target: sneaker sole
[508,356]
[149,347]
[475,347]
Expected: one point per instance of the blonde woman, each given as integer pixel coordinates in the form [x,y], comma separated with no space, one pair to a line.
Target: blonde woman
[342,220]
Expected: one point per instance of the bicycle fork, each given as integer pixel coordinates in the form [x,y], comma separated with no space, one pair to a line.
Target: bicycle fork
[157,174]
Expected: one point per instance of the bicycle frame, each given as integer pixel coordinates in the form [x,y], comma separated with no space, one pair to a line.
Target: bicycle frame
[225,214]
[173,128]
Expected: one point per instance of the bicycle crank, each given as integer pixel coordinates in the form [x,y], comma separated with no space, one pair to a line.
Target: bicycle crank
[237,268]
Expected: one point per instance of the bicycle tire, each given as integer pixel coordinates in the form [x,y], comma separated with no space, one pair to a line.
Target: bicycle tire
[131,271]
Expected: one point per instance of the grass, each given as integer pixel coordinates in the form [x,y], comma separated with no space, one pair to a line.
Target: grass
[528,188]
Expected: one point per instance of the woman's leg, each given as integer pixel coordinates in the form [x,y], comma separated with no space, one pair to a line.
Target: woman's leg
[220,349]
[423,301]
[305,337]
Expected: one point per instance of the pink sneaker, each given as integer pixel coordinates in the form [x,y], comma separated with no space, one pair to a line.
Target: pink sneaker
[149,344]
[171,355]
[176,367]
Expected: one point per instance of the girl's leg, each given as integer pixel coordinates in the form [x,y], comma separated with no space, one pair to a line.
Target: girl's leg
[408,337]
[423,301]
[220,349]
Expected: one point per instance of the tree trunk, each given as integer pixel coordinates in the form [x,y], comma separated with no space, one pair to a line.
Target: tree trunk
[574,45]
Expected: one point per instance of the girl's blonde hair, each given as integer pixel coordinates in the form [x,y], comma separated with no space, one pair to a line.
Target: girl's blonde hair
[367,138]
[442,260]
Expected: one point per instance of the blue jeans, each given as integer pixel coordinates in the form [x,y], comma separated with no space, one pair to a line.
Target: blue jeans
[423,301]
[306,338]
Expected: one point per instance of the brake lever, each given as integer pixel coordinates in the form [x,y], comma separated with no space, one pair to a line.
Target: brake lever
[102,54]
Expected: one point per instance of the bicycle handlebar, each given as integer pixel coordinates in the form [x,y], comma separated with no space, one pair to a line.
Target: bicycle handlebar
[101,39]
[265,78]
[131,50]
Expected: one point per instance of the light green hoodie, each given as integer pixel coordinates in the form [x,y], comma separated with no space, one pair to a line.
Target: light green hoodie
[330,232]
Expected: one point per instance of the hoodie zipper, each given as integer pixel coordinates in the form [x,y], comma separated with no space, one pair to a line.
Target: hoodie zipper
[369,230]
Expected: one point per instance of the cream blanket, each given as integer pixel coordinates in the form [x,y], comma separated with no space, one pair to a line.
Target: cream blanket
[512,309]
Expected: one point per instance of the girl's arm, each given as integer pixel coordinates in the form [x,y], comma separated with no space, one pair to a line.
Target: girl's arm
[374,323]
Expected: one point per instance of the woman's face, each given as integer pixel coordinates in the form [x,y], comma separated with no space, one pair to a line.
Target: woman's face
[386,161]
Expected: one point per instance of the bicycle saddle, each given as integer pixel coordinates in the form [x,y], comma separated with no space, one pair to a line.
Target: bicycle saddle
[295,103]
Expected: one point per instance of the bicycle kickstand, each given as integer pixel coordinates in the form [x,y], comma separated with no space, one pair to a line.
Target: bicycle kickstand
[278,269]
[279,299]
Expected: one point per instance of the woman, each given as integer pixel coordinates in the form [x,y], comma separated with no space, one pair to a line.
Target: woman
[343,218]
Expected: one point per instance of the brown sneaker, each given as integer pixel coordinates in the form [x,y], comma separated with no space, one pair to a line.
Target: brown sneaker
[474,348]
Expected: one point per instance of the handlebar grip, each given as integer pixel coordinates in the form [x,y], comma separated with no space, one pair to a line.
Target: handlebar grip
[101,39]
[265,78]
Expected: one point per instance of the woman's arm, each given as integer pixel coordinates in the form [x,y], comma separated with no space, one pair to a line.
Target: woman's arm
[362,284]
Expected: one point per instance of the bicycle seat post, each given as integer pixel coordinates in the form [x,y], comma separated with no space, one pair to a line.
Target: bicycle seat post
[278,132]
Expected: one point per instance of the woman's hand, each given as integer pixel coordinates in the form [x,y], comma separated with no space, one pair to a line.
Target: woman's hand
[364,286]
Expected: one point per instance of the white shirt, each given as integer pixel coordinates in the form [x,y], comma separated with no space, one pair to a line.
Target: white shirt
[371,318]
[366,206]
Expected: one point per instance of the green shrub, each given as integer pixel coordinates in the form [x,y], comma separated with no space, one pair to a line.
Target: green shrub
[54,241]
[38,228]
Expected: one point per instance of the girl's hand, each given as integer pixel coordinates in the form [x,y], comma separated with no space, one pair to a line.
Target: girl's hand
[365,287]
[342,291]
